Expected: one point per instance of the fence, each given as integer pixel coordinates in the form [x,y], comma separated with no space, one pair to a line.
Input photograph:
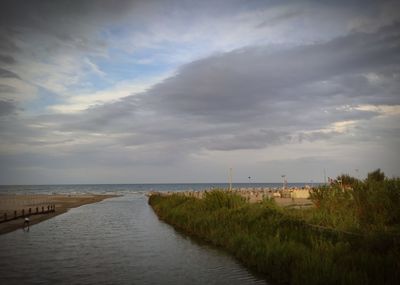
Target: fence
[22,213]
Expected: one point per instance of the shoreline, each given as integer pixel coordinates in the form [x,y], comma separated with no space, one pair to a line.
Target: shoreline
[11,203]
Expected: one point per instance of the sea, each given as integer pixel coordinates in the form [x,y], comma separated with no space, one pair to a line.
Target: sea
[117,241]
[122,189]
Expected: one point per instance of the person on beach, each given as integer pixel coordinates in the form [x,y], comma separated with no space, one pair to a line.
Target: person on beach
[26,223]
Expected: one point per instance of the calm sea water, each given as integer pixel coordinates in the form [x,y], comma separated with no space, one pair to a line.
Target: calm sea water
[122,189]
[117,241]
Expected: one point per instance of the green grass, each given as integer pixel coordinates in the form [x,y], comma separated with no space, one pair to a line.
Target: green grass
[281,243]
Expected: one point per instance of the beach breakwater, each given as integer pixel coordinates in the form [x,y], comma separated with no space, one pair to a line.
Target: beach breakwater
[38,208]
[29,212]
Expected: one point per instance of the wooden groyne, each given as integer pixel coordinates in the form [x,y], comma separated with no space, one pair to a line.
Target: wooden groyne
[17,214]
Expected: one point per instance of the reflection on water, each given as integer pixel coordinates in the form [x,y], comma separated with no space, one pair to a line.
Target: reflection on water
[117,241]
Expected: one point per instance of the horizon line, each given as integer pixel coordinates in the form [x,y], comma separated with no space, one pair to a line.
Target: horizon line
[159,183]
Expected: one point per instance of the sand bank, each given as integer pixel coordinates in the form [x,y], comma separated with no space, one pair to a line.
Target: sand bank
[62,203]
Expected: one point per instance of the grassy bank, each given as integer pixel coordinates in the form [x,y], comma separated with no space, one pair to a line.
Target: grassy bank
[285,245]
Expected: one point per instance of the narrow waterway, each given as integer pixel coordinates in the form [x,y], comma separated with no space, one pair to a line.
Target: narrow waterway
[117,241]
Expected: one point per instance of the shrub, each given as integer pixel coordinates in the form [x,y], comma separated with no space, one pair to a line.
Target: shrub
[284,246]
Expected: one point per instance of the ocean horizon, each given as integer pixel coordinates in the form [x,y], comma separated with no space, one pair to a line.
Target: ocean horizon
[122,189]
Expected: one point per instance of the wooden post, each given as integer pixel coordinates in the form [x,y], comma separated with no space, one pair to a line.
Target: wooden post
[37,210]
[42,209]
[23,212]
[48,209]
[15,214]
[30,211]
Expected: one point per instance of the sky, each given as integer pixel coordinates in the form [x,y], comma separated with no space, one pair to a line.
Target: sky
[100,91]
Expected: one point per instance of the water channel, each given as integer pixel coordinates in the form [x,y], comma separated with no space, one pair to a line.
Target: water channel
[117,241]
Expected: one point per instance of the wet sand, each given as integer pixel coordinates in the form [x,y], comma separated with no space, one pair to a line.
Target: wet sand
[11,203]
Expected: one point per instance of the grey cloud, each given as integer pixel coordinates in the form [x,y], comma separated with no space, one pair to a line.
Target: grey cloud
[40,31]
[99,117]
[313,136]
[7,89]
[272,21]
[245,99]
[58,18]
[7,59]
[248,140]
[7,108]
[254,79]
[7,74]
[223,101]
[7,43]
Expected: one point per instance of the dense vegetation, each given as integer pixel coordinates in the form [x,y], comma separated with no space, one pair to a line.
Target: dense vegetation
[351,204]
[350,237]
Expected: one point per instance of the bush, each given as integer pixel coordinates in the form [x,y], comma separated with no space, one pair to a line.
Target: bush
[218,199]
[285,247]
[365,205]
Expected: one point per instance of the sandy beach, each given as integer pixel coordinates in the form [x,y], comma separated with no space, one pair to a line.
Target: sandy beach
[62,203]
[253,195]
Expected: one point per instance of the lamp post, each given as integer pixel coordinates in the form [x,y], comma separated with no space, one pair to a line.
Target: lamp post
[284,180]
[358,175]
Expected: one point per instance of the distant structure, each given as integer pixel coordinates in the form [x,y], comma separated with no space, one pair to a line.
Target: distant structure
[284,181]
[230,179]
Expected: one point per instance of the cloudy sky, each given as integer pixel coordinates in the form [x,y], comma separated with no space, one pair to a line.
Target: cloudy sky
[180,91]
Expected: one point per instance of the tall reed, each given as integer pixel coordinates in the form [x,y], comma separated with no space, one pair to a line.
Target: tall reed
[280,244]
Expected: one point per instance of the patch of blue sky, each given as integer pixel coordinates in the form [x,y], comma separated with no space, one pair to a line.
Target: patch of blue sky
[44,99]
[121,66]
